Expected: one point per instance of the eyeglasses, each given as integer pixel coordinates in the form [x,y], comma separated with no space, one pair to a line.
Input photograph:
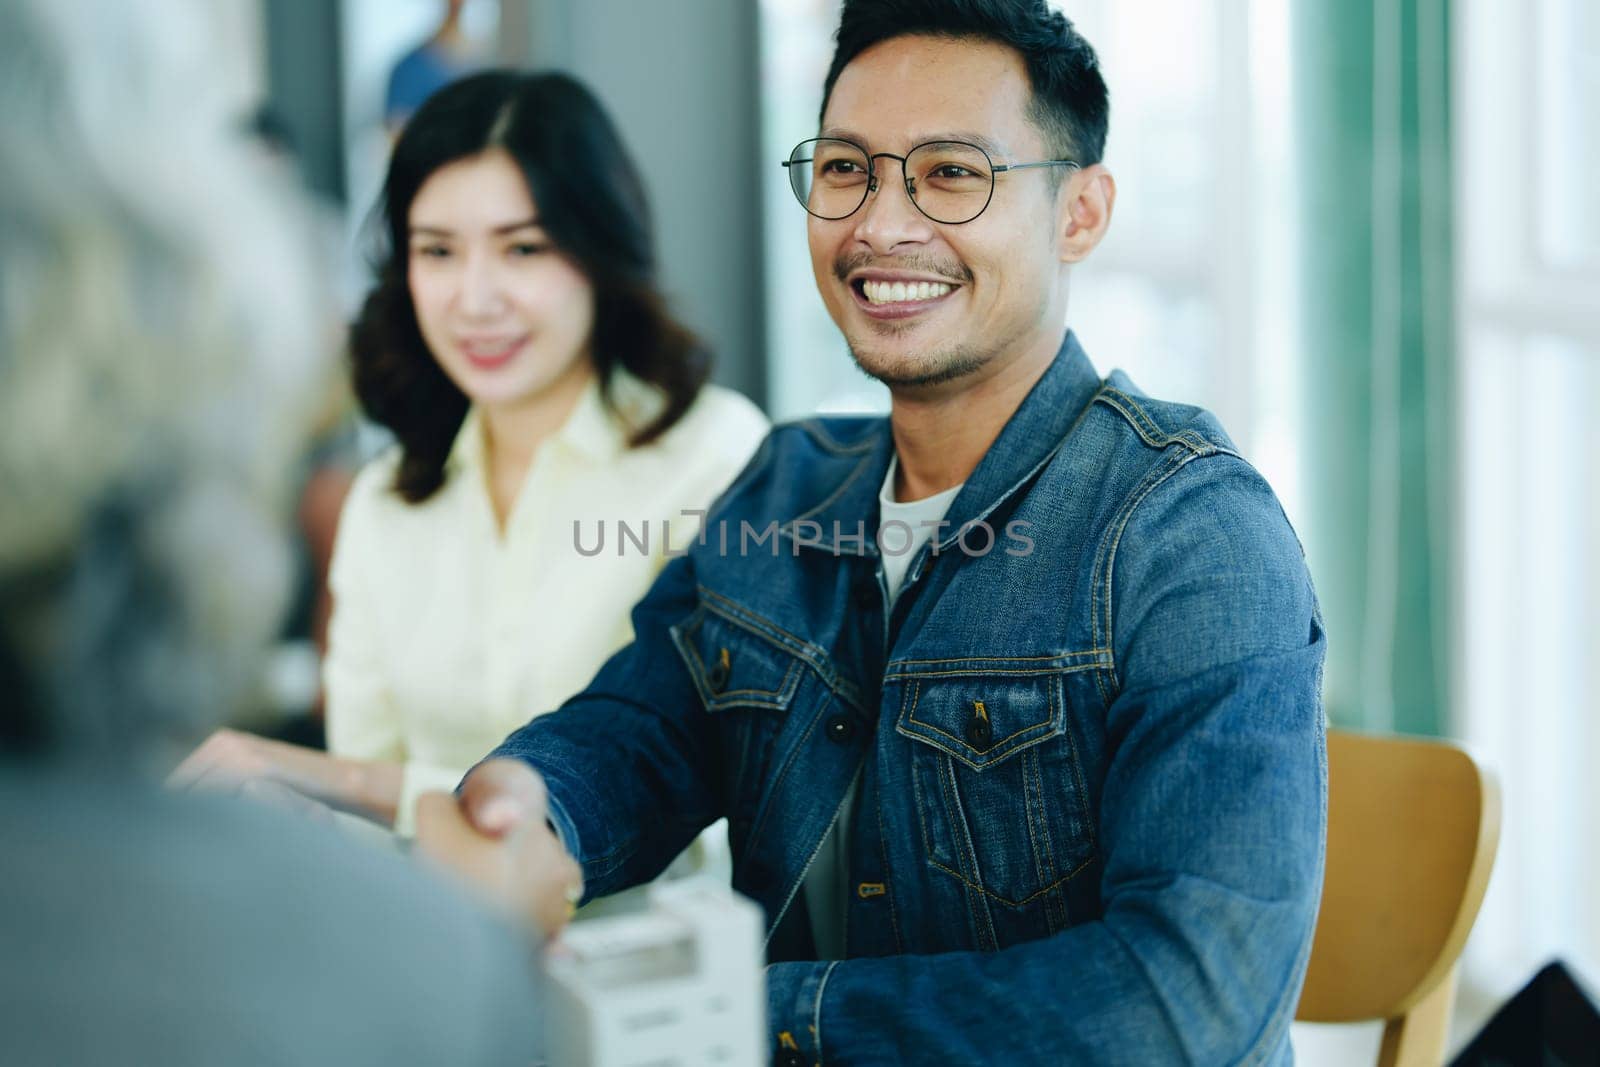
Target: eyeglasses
[951,182]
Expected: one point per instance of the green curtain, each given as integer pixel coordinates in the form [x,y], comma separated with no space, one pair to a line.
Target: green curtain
[1372,88]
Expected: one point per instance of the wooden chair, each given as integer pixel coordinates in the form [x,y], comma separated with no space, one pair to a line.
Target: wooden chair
[1412,831]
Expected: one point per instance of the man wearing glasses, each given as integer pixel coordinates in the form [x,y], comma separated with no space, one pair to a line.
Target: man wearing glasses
[1014,712]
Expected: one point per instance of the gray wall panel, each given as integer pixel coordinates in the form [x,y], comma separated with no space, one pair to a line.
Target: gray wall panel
[681,77]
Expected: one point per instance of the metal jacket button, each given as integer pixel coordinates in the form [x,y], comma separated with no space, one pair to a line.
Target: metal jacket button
[867,597]
[717,677]
[788,1052]
[978,730]
[840,729]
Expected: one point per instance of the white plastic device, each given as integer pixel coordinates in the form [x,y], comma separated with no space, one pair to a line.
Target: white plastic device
[679,982]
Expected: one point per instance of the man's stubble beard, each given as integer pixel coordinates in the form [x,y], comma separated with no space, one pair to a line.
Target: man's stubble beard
[936,367]
[932,369]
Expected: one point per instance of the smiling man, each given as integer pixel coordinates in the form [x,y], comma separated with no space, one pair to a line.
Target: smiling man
[1015,716]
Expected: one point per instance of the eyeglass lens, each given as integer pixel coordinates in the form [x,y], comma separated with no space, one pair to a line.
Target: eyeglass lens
[949,181]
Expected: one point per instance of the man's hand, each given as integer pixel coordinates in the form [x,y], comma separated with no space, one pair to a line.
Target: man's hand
[494,836]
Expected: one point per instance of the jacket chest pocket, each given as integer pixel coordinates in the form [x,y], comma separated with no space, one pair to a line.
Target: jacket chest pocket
[747,682]
[997,782]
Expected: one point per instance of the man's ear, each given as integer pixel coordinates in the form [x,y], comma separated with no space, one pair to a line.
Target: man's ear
[1087,199]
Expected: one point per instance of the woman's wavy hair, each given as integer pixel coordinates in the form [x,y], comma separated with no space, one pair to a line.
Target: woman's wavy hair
[591,203]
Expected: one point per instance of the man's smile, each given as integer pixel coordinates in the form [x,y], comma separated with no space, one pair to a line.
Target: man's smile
[891,294]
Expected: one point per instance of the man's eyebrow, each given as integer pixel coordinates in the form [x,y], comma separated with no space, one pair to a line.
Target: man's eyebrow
[531,222]
[988,144]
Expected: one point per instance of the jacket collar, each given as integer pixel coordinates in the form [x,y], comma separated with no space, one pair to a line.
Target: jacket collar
[1031,438]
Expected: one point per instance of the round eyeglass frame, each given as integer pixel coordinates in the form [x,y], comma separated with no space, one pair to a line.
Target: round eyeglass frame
[872,175]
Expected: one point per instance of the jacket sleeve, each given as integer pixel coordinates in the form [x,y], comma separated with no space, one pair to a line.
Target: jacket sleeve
[1211,828]
[627,762]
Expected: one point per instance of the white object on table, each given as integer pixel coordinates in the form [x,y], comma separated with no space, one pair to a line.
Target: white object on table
[682,981]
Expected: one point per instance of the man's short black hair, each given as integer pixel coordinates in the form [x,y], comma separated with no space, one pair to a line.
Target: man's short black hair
[1070,103]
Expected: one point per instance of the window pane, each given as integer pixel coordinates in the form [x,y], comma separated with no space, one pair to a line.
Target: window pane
[1569,135]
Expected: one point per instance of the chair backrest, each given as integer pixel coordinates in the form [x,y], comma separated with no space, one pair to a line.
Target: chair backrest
[1412,830]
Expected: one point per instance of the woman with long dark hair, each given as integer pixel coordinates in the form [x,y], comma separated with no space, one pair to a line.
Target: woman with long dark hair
[541,397]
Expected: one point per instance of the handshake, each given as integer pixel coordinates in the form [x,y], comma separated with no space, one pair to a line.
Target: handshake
[494,836]
[680,981]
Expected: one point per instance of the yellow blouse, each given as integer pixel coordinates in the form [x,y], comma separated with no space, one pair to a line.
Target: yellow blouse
[446,636]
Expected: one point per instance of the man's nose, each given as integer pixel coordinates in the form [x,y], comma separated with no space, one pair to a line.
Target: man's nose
[890,217]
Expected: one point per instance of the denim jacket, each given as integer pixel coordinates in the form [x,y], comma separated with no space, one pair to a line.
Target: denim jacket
[1092,775]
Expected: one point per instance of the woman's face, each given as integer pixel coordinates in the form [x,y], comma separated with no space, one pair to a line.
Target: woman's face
[506,315]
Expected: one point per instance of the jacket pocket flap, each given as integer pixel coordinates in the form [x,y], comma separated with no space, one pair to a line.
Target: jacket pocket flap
[734,667]
[981,719]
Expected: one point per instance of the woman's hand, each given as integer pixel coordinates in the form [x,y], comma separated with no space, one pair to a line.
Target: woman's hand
[226,761]
[301,779]
[495,838]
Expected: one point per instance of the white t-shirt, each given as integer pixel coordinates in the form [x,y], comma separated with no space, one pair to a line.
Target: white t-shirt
[902,531]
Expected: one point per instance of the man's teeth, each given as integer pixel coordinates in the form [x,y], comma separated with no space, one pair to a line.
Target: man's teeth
[902,292]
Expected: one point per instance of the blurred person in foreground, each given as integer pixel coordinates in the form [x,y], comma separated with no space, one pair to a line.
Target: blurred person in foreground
[540,392]
[156,339]
[1011,699]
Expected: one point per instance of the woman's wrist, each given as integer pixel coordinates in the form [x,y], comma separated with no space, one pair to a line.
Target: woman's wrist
[337,782]
[372,787]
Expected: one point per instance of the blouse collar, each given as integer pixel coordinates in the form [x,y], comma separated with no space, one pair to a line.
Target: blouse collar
[592,431]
